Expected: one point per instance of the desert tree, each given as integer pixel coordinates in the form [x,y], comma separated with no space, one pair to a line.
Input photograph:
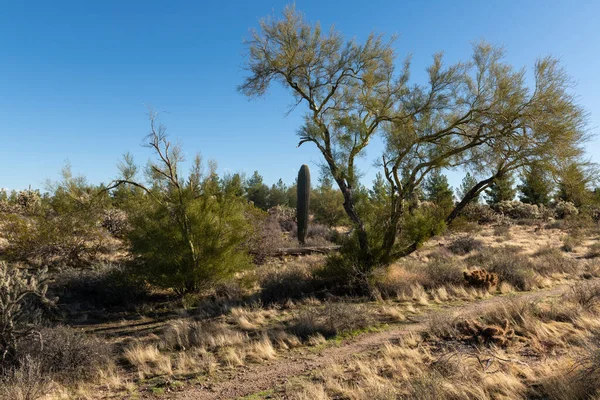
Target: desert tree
[438,191]
[257,192]
[190,231]
[536,185]
[477,115]
[575,180]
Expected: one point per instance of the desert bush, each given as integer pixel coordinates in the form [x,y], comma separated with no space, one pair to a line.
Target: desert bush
[442,270]
[549,260]
[480,213]
[464,245]
[330,320]
[189,232]
[25,381]
[564,209]
[511,266]
[68,355]
[295,281]
[318,235]
[22,300]
[462,224]
[70,238]
[591,210]
[575,381]
[192,256]
[585,294]
[100,287]
[518,210]
[284,216]
[268,235]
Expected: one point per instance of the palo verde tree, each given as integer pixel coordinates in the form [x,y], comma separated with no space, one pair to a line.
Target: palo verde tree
[478,115]
[190,232]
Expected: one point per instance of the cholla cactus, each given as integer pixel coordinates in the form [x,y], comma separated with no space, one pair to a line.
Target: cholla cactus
[481,278]
[498,335]
[115,221]
[28,200]
[21,295]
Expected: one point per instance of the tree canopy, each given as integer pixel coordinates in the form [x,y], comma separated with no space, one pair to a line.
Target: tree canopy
[479,114]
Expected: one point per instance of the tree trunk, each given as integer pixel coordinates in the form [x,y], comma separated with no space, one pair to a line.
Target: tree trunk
[363,239]
[469,196]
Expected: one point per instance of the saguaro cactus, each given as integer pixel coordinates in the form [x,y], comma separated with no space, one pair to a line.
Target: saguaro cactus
[303,202]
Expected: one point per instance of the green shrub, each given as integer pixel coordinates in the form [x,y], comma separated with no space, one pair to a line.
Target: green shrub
[209,249]
[188,233]
[63,231]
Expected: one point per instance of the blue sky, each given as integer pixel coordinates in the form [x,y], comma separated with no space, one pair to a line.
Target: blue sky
[76,77]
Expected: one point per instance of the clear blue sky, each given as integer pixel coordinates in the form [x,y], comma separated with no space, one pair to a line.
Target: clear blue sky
[76,76]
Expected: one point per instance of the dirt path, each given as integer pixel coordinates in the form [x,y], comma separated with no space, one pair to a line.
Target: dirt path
[261,377]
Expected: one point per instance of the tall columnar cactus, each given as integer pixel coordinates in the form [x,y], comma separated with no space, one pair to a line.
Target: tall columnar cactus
[303,202]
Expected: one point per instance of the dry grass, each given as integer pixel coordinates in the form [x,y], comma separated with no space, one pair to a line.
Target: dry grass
[250,319]
[330,320]
[552,357]
[148,360]
[184,334]
[593,250]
